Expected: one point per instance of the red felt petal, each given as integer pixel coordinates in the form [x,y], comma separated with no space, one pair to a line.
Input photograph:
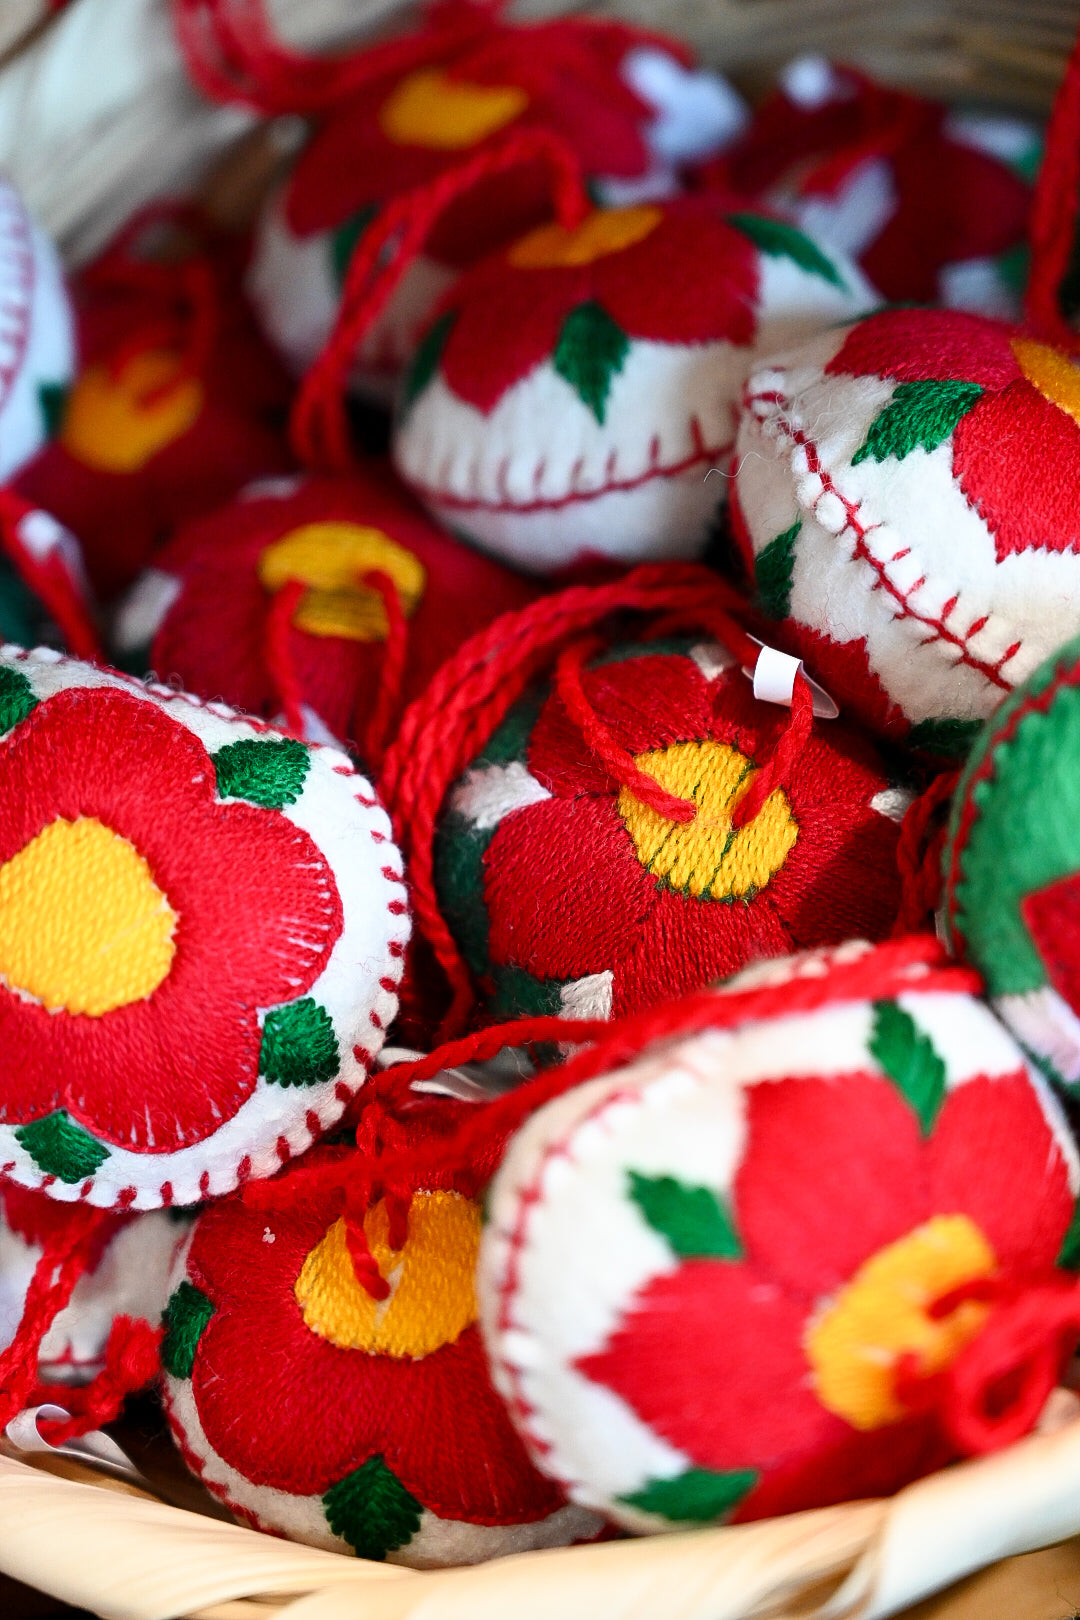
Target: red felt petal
[564,889]
[506,322]
[916,344]
[993,1156]
[710,1357]
[832,1172]
[994,449]
[688,943]
[841,880]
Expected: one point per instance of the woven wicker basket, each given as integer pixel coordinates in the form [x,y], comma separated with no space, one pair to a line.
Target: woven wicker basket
[95,117]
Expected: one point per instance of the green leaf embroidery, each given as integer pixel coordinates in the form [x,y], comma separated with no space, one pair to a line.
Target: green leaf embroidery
[1069,1253]
[693,1219]
[16,697]
[61,1148]
[699,1496]
[428,354]
[782,241]
[299,1047]
[949,738]
[371,1510]
[909,1060]
[919,416]
[269,773]
[774,570]
[344,240]
[590,353]
[184,1320]
[53,398]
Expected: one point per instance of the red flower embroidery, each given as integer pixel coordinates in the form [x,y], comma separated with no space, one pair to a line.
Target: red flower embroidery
[1027,415]
[834,1171]
[256,909]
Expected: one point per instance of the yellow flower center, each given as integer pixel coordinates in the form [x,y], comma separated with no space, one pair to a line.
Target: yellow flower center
[332,559]
[1055,376]
[430,109]
[83,925]
[882,1314]
[432,1296]
[608,230]
[704,857]
[110,425]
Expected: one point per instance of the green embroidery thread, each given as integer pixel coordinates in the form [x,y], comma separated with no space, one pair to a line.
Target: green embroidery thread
[371,1510]
[184,1320]
[910,1061]
[774,571]
[949,738]
[699,1496]
[53,398]
[590,353]
[268,773]
[344,240]
[1069,1253]
[692,1219]
[299,1046]
[919,416]
[428,354]
[61,1148]
[782,241]
[16,697]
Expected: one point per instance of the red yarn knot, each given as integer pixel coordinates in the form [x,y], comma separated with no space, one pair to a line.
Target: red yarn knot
[777,768]
[277,653]
[993,1392]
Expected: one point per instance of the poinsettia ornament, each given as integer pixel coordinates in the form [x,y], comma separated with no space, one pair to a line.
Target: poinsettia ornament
[37,347]
[202,926]
[839,1232]
[575,389]
[906,496]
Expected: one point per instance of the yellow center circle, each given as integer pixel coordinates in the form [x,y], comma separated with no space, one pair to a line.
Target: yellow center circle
[111,425]
[430,109]
[432,1296]
[1056,377]
[83,925]
[882,1314]
[704,857]
[608,230]
[332,559]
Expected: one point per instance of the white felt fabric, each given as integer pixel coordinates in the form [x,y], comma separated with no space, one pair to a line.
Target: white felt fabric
[37,335]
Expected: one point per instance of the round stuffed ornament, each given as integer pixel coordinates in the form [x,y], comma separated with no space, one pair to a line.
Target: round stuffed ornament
[326,1379]
[575,389]
[799,1243]
[128,1275]
[331,600]
[895,503]
[37,340]
[647,825]
[202,925]
[629,103]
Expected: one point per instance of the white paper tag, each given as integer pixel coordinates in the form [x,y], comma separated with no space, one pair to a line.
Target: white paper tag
[95,1448]
[472,1082]
[774,681]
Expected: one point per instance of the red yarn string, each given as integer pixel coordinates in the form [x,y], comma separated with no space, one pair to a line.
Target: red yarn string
[319,427]
[76,628]
[993,1392]
[444,729]
[65,1257]
[132,1360]
[1053,227]
[277,653]
[777,768]
[891,120]
[365,1266]
[918,854]
[397,1078]
[392,673]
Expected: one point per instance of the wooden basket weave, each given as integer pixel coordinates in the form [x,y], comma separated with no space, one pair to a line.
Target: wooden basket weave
[96,117]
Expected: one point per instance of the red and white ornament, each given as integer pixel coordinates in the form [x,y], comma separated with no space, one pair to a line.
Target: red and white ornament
[37,339]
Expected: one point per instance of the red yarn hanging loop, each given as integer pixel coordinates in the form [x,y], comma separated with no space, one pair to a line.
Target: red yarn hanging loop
[277,653]
[918,853]
[365,1266]
[132,1361]
[1054,214]
[776,770]
[384,252]
[76,628]
[392,673]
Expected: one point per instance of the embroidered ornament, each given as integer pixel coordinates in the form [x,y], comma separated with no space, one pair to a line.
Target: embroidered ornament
[889,502]
[376,1430]
[629,103]
[44,595]
[202,925]
[37,351]
[567,894]
[575,390]
[127,1277]
[177,404]
[931,203]
[829,1231]
[215,608]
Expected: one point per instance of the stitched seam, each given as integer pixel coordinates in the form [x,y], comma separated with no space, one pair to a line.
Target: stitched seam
[16,242]
[941,632]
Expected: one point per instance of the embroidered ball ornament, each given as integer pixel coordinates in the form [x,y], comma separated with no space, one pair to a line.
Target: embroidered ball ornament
[628,103]
[202,926]
[567,894]
[376,1430]
[216,611]
[37,351]
[575,390]
[822,1224]
[889,501]
[128,1276]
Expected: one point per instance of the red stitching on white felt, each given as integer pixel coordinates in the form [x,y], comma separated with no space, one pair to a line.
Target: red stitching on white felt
[17,249]
[941,631]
